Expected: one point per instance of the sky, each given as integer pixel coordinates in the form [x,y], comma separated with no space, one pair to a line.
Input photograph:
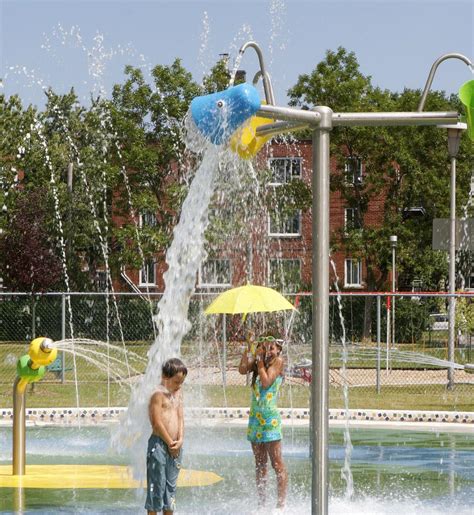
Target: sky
[86,44]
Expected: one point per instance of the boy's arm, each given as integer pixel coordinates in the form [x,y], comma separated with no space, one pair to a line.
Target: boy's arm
[156,418]
[177,444]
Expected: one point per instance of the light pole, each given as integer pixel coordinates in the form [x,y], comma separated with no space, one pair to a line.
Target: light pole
[393,243]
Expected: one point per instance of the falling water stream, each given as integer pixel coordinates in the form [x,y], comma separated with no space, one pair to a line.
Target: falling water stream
[183,258]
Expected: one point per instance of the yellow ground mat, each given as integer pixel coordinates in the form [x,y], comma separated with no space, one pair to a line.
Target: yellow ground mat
[91,476]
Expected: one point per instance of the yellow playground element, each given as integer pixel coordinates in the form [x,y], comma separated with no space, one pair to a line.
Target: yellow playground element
[42,352]
[92,476]
[245,141]
[466,94]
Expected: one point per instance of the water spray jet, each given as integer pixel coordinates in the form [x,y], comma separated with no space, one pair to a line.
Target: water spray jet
[469,368]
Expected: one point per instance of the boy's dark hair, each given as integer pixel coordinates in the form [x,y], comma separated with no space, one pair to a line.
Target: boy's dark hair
[173,366]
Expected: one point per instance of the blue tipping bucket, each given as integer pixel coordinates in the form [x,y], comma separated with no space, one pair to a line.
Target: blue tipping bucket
[218,115]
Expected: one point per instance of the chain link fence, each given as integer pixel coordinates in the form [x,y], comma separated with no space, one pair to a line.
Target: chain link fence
[394,356]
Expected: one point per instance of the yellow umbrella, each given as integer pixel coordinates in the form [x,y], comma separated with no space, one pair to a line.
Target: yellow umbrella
[248,299]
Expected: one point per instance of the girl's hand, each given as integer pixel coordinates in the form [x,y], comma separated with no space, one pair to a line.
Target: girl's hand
[260,353]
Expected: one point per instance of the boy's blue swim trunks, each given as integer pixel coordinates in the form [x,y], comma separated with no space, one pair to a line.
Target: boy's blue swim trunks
[161,474]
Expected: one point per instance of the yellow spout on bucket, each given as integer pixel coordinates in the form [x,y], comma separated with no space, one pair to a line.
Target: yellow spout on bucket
[245,141]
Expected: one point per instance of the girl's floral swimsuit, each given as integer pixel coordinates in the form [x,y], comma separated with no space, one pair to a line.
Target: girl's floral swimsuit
[264,419]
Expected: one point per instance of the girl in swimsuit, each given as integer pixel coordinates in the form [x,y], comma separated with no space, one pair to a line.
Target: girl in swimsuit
[264,428]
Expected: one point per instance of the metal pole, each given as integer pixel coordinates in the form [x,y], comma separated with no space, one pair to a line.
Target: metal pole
[224,350]
[454,140]
[378,343]
[387,357]
[19,431]
[452,270]
[63,335]
[320,343]
[33,317]
[393,241]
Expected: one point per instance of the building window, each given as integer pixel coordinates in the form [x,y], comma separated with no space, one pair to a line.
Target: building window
[470,277]
[284,169]
[215,273]
[148,219]
[285,274]
[284,226]
[353,170]
[148,274]
[351,219]
[101,280]
[352,273]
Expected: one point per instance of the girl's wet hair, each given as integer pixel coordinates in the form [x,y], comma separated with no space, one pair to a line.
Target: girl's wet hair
[172,367]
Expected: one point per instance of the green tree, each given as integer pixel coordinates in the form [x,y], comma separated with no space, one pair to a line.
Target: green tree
[407,166]
[148,121]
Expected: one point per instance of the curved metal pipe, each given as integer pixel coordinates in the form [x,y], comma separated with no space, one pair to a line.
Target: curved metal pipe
[267,85]
[431,75]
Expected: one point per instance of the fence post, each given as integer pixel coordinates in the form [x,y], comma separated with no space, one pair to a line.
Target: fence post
[33,317]
[63,335]
[387,357]
[378,343]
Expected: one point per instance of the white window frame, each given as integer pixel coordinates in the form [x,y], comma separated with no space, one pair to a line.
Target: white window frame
[353,174]
[144,279]
[350,222]
[101,280]
[288,174]
[279,262]
[202,283]
[349,264]
[285,234]
[147,219]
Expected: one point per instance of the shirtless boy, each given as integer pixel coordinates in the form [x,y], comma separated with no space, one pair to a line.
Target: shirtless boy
[164,445]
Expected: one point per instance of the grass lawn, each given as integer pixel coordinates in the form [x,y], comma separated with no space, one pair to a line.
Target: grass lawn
[94,391]
[433,397]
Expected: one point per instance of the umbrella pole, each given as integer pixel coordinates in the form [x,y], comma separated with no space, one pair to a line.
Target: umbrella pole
[224,350]
[320,348]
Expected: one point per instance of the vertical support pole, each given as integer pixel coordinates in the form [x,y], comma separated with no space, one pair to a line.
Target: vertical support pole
[387,357]
[320,343]
[19,425]
[393,242]
[452,270]
[224,350]
[63,335]
[33,316]
[378,342]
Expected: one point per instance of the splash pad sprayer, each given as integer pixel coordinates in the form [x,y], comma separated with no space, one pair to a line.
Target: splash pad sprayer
[30,368]
[321,120]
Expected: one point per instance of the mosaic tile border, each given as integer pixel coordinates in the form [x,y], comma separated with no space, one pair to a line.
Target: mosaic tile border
[74,416]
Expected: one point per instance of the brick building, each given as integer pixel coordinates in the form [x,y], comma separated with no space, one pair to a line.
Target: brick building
[282,247]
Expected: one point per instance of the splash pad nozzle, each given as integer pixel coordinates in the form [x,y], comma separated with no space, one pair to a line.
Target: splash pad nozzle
[219,115]
[30,368]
